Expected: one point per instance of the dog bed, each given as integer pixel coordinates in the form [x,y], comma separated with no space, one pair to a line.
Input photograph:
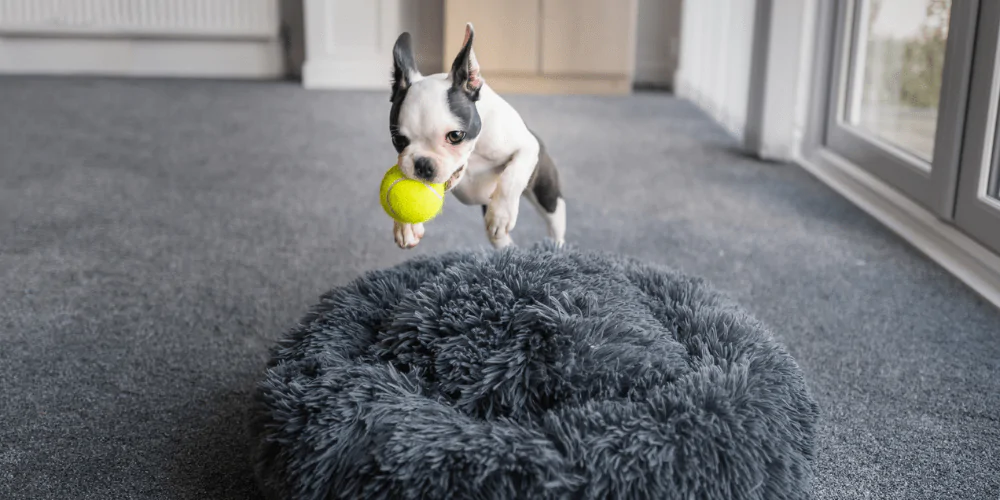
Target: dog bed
[531,373]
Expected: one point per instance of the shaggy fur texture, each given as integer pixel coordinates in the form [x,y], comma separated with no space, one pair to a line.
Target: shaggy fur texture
[532,373]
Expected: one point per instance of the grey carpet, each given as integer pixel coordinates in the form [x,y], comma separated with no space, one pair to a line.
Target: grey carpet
[157,236]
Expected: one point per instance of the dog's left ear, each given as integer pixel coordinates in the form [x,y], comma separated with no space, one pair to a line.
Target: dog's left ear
[404,68]
[465,70]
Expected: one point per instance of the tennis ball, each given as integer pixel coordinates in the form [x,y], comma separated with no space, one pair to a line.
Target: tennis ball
[410,201]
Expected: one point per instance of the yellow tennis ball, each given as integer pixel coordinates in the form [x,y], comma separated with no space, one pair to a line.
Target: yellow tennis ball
[410,201]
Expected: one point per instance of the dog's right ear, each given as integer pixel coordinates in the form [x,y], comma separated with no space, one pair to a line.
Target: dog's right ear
[465,70]
[404,66]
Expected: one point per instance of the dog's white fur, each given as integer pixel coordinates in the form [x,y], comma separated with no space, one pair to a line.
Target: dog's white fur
[491,170]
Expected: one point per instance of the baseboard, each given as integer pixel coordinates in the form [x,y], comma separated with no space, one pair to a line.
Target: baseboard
[965,258]
[531,84]
[195,58]
[375,74]
[654,74]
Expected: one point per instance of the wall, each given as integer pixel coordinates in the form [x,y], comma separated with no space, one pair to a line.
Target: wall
[359,55]
[293,36]
[715,58]
[424,19]
[222,38]
[658,42]
[745,63]
[780,99]
[349,43]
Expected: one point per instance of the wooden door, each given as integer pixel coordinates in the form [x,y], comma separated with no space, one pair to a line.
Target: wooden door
[588,37]
[507,34]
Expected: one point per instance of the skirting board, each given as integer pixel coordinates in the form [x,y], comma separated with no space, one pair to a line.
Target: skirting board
[371,75]
[195,58]
[530,84]
[965,258]
[654,74]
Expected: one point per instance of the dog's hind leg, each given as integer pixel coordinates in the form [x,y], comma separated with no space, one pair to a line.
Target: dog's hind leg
[545,195]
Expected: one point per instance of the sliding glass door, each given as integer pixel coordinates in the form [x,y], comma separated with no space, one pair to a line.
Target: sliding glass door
[914,100]
[977,208]
[900,80]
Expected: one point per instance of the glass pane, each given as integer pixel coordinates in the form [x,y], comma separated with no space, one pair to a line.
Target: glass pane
[895,90]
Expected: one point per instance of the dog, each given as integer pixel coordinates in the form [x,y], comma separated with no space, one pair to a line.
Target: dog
[452,128]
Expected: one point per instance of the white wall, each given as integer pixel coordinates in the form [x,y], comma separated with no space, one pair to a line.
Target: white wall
[658,41]
[220,38]
[786,80]
[746,63]
[715,61]
[349,43]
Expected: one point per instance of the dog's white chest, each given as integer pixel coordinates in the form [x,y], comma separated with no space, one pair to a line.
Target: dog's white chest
[480,181]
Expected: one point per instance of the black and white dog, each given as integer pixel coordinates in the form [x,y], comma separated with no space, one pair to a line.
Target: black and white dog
[453,128]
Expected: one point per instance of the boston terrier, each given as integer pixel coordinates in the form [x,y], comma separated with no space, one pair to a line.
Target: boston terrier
[452,128]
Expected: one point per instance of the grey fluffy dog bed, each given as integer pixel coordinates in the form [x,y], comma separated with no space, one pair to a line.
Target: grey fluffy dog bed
[532,373]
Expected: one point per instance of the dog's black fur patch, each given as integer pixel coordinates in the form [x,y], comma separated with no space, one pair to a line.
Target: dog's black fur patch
[463,106]
[403,65]
[544,184]
[399,141]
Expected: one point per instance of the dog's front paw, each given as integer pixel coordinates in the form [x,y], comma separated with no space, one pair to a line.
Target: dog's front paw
[407,235]
[501,216]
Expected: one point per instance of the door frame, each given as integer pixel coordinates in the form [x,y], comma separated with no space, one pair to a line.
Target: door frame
[976,211]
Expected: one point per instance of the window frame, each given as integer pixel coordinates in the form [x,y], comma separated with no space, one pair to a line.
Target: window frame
[932,184]
[976,211]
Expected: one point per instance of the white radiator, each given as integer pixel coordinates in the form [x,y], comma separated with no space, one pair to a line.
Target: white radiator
[239,19]
[182,38]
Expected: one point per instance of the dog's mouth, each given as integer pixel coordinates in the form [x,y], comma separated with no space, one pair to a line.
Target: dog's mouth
[455,178]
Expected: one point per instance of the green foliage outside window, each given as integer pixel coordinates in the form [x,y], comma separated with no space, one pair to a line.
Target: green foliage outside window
[918,62]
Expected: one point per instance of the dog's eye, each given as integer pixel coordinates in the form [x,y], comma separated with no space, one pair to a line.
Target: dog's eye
[455,136]
[400,142]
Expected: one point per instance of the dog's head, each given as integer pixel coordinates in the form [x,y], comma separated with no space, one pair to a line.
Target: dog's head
[434,121]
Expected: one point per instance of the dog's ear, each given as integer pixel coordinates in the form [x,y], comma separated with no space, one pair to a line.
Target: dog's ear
[465,70]
[404,66]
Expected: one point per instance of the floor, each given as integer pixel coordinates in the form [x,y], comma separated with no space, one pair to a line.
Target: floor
[157,236]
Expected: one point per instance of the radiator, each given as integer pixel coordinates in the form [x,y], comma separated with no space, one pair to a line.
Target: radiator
[238,19]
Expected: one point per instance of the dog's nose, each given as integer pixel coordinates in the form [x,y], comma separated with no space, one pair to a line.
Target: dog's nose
[423,168]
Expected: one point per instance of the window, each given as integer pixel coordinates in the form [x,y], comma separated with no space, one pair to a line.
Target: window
[896,72]
[977,207]
[899,93]
[913,99]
